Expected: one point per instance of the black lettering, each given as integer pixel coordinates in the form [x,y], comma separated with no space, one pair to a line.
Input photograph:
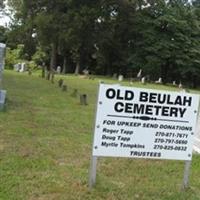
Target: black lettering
[118,95]
[128,107]
[187,101]
[129,95]
[143,96]
[119,107]
[110,93]
[152,97]
[182,111]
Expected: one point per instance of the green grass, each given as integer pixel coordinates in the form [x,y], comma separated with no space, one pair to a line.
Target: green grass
[45,148]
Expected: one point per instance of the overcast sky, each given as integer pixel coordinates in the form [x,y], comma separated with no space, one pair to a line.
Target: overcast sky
[4,20]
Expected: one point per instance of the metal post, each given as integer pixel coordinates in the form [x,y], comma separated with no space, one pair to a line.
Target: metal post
[93,165]
[186,174]
[93,170]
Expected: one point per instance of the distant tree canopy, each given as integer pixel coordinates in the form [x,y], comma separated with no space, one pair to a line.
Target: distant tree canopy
[112,36]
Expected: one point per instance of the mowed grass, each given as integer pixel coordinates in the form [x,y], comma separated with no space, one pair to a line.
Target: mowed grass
[46,143]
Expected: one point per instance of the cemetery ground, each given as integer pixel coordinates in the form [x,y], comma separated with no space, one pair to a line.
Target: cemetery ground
[46,143]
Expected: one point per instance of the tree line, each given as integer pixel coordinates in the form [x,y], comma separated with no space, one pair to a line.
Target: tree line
[161,37]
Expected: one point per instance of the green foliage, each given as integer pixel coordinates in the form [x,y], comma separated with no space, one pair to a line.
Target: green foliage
[14,56]
[39,57]
[3,34]
[159,36]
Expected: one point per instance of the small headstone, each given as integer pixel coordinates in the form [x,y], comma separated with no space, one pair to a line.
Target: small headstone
[58,70]
[83,99]
[60,83]
[101,82]
[17,67]
[64,88]
[159,81]
[180,86]
[143,80]
[148,78]
[86,72]
[139,74]
[115,76]
[174,83]
[22,68]
[120,78]
[74,93]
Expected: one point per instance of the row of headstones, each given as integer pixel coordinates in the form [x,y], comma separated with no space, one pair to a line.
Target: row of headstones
[20,67]
[2,92]
[143,79]
[83,97]
[75,93]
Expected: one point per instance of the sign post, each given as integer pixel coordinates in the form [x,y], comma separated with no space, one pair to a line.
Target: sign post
[142,123]
[93,171]
[186,174]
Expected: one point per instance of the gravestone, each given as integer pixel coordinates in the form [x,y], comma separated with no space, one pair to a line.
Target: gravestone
[174,83]
[86,72]
[139,74]
[120,78]
[180,86]
[83,99]
[58,70]
[74,93]
[64,88]
[2,92]
[22,68]
[60,83]
[115,76]
[159,81]
[143,80]
[17,67]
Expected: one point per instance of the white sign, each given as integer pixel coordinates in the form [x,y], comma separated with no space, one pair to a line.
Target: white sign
[141,123]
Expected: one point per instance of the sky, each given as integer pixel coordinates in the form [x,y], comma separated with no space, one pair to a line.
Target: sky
[4,20]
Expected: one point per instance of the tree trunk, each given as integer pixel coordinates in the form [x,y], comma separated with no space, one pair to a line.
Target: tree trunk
[194,82]
[43,71]
[77,70]
[64,71]
[53,57]
[164,72]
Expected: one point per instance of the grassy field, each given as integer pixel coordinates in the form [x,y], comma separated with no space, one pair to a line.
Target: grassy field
[45,148]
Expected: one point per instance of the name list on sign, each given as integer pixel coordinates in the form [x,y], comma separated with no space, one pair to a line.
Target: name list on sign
[132,122]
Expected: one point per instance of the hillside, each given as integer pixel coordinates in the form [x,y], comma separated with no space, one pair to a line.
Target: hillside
[45,149]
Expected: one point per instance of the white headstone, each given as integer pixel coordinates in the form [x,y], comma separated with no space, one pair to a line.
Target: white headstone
[58,70]
[17,67]
[23,67]
[143,80]
[139,74]
[174,83]
[86,72]
[120,78]
[159,80]
[180,86]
